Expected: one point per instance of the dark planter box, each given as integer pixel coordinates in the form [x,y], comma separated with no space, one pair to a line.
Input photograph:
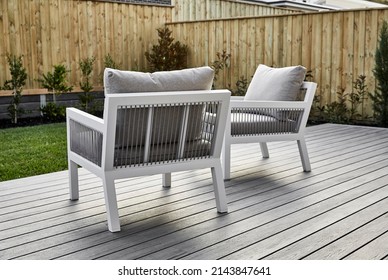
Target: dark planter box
[32,103]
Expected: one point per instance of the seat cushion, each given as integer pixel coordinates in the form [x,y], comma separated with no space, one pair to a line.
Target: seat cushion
[276,84]
[244,124]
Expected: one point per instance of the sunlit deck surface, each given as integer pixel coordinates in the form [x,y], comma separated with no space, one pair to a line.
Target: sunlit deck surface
[276,211]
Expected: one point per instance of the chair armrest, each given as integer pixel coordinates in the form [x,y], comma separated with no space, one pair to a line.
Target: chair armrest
[268,104]
[281,110]
[85,135]
[85,119]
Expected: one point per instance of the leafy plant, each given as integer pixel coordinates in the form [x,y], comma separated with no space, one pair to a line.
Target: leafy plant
[309,76]
[337,111]
[16,84]
[380,98]
[167,55]
[222,62]
[86,66]
[56,81]
[53,113]
[357,97]
[241,87]
[317,111]
[346,108]
[110,63]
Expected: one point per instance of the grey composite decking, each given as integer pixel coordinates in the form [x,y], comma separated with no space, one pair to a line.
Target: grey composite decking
[276,211]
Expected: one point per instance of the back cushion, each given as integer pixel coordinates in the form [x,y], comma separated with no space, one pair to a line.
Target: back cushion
[166,123]
[276,84]
[117,81]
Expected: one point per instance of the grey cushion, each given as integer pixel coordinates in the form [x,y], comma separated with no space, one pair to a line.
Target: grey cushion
[276,84]
[118,81]
[256,124]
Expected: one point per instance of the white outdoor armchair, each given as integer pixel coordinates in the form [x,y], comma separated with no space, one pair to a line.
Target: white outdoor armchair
[256,121]
[148,133]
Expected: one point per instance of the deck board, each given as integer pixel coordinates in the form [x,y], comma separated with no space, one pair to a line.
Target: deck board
[276,211]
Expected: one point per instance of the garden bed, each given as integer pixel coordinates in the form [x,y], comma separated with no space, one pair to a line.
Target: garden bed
[32,104]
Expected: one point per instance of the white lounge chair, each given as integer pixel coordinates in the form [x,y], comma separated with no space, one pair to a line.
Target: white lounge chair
[145,133]
[269,112]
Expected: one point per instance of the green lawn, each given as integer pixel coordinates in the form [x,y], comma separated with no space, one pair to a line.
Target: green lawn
[28,151]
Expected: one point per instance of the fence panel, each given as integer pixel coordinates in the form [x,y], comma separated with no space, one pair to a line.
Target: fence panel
[335,46]
[50,32]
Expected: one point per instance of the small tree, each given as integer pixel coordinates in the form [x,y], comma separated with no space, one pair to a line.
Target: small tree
[86,66]
[357,97]
[16,84]
[167,55]
[56,81]
[222,62]
[380,98]
[110,63]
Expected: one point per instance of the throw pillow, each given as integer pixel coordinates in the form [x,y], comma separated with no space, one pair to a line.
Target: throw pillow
[276,84]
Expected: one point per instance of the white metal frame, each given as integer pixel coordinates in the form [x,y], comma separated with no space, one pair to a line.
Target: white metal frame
[107,128]
[298,134]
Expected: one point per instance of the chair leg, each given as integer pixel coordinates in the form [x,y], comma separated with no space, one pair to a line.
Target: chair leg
[225,159]
[304,155]
[264,149]
[111,204]
[73,180]
[219,189]
[166,180]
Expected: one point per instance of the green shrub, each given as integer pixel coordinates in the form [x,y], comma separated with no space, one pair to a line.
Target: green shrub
[380,98]
[56,81]
[222,62]
[357,97]
[86,66]
[241,87]
[53,112]
[167,55]
[346,108]
[337,111]
[16,84]
[110,63]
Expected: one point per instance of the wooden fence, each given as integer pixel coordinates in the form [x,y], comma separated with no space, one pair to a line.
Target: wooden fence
[50,32]
[336,46]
